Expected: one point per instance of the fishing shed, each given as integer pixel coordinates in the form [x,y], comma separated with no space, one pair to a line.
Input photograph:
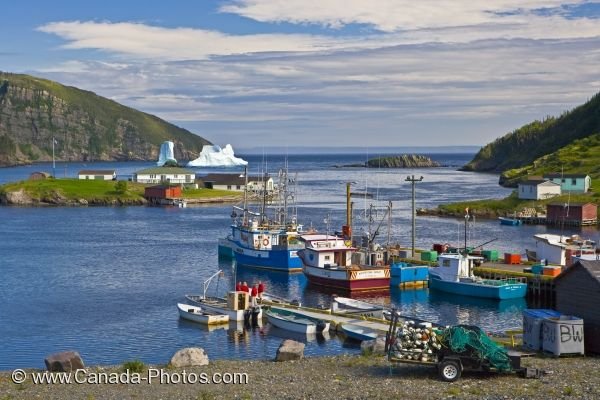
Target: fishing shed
[578,294]
[160,192]
[572,214]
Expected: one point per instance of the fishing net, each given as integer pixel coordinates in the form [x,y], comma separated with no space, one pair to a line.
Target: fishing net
[471,339]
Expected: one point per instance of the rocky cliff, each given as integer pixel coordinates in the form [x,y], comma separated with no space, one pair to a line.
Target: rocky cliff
[86,127]
[400,161]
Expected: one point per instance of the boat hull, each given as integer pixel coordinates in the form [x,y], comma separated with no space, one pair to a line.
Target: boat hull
[353,280]
[192,313]
[290,325]
[273,259]
[358,333]
[499,292]
[226,248]
[509,221]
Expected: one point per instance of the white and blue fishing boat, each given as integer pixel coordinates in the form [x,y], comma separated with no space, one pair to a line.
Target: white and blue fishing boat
[296,322]
[358,332]
[259,241]
[454,274]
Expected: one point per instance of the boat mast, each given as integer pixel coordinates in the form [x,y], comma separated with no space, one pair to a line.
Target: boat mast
[245,219]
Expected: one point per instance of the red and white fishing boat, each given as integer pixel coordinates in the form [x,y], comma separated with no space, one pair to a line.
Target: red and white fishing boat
[328,261]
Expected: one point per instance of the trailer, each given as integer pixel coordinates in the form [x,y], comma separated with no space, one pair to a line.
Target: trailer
[450,364]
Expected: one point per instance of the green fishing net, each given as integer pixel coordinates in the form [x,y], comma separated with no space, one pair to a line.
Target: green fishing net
[472,340]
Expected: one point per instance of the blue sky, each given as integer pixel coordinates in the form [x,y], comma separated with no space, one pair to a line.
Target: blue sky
[318,73]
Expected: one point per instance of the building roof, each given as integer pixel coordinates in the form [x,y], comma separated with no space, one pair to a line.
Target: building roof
[552,176]
[535,182]
[574,204]
[165,171]
[230,179]
[162,187]
[97,172]
[592,267]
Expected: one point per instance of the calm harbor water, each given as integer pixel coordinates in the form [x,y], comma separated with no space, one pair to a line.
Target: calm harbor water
[105,281]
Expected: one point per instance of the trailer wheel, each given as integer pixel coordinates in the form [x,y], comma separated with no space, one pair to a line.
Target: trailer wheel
[450,370]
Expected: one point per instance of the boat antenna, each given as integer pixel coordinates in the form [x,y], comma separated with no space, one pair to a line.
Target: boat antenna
[466,225]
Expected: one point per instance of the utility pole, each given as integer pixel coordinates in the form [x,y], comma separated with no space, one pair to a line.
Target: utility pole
[53,161]
[413,181]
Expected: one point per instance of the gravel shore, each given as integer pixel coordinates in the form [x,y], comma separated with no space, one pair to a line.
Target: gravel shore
[340,377]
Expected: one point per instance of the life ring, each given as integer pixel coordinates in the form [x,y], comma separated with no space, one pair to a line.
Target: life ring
[379,263]
[265,241]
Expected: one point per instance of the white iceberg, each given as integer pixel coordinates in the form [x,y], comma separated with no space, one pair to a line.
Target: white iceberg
[215,156]
[166,154]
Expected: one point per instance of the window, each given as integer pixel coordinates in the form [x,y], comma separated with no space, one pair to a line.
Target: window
[530,189]
[446,263]
[188,178]
[574,181]
[327,258]
[563,180]
[238,187]
[228,187]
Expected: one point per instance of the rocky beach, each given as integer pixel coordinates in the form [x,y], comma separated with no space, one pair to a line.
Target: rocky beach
[339,377]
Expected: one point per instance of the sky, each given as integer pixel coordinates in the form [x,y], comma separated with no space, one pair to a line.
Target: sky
[320,73]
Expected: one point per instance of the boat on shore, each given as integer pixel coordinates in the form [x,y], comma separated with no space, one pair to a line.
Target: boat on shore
[360,333]
[197,314]
[454,274]
[296,322]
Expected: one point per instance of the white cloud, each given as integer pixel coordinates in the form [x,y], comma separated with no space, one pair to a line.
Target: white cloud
[445,73]
[146,41]
[390,15]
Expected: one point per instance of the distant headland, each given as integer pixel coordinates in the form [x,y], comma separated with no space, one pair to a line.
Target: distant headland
[399,161]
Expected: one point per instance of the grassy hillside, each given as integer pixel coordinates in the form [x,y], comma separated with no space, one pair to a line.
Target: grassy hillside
[581,156]
[537,139]
[85,125]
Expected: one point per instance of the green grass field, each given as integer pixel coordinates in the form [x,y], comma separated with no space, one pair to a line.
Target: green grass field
[75,189]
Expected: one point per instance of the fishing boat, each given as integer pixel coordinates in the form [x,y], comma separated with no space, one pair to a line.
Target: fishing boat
[358,332]
[454,274]
[296,322]
[346,305]
[339,262]
[196,314]
[260,241]
[510,221]
[328,261]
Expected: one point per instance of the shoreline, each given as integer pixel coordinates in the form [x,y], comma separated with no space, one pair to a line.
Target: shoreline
[344,376]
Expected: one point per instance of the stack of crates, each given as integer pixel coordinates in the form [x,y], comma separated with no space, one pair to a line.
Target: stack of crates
[490,255]
[510,258]
[429,256]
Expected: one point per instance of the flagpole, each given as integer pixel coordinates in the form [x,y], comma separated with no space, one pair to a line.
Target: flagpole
[53,161]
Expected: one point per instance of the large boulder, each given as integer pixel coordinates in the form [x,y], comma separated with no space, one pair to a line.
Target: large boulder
[290,350]
[189,357]
[375,346]
[66,361]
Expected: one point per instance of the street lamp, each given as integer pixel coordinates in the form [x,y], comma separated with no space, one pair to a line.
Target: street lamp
[413,181]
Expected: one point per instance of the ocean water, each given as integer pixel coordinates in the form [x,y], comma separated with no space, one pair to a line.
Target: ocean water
[105,280]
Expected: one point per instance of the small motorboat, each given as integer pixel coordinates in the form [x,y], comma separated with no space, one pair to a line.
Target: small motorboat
[510,221]
[296,322]
[359,333]
[196,314]
[346,305]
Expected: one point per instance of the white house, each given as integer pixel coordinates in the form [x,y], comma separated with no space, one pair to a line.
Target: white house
[98,174]
[165,175]
[237,182]
[538,189]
